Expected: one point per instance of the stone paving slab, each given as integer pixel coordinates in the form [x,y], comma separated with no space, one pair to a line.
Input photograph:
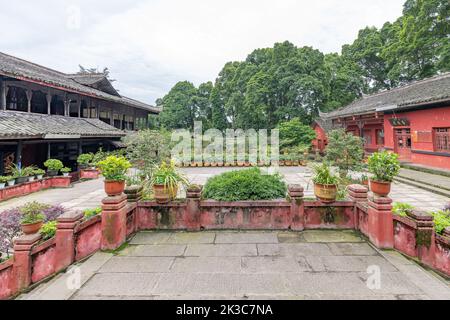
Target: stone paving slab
[294,249]
[159,250]
[137,264]
[247,237]
[352,249]
[283,270]
[221,250]
[327,236]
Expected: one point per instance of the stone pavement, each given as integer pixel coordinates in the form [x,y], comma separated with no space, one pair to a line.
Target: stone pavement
[245,265]
[81,195]
[428,178]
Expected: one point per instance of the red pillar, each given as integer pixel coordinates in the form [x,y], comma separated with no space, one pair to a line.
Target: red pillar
[380,223]
[22,259]
[114,222]
[65,239]
[295,192]
[358,194]
[425,236]
[193,197]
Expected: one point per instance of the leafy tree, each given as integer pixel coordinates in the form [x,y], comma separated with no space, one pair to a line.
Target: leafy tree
[345,151]
[294,133]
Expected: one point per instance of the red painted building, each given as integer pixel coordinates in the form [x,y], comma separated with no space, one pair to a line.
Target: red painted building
[412,120]
[321,128]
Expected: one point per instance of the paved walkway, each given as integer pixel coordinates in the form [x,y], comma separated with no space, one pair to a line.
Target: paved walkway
[431,179]
[245,265]
[82,195]
[90,193]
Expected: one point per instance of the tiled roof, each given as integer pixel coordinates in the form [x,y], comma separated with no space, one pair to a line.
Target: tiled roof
[14,124]
[21,69]
[325,124]
[435,89]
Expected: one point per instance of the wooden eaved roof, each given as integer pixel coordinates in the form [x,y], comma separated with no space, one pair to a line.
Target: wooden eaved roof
[427,91]
[23,125]
[90,85]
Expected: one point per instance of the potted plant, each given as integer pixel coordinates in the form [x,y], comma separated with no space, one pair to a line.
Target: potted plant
[39,173]
[29,172]
[65,171]
[3,181]
[384,166]
[364,180]
[288,160]
[165,180]
[21,174]
[325,183]
[32,217]
[84,160]
[114,170]
[11,180]
[53,166]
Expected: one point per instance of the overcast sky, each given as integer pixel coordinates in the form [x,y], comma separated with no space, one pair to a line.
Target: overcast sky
[150,45]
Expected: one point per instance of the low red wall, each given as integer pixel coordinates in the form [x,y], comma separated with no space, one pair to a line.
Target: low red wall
[88,238]
[89,174]
[34,186]
[43,257]
[7,287]
[405,235]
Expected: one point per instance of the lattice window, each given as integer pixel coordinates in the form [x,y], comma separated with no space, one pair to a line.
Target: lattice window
[442,139]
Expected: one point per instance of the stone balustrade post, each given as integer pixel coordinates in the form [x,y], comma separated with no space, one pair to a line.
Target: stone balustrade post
[114,222]
[297,210]
[380,222]
[357,193]
[22,259]
[425,236]
[65,239]
[193,198]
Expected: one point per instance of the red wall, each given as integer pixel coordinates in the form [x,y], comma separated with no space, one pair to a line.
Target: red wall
[320,135]
[421,120]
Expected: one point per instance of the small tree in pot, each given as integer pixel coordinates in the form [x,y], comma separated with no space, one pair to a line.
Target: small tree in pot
[165,180]
[114,170]
[325,183]
[32,217]
[65,171]
[84,160]
[53,166]
[384,166]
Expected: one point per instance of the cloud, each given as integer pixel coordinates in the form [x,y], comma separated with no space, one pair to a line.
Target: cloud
[150,45]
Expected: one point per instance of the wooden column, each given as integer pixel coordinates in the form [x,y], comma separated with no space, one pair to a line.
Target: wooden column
[79,108]
[49,102]
[19,153]
[111,120]
[2,95]
[29,97]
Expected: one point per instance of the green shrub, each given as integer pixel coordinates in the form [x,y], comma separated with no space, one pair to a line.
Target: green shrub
[4,179]
[401,209]
[48,230]
[323,174]
[85,159]
[384,166]
[33,212]
[114,168]
[344,150]
[441,220]
[53,164]
[294,133]
[66,170]
[249,184]
[39,172]
[89,213]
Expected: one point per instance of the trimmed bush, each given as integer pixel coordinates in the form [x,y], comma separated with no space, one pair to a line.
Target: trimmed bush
[250,184]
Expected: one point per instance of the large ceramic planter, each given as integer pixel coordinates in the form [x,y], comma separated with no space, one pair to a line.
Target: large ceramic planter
[325,192]
[39,176]
[31,228]
[114,188]
[288,163]
[66,174]
[162,194]
[380,188]
[11,183]
[52,173]
[2,185]
[20,180]
[31,179]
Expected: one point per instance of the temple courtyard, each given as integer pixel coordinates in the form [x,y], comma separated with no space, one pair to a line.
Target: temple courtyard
[89,194]
[245,265]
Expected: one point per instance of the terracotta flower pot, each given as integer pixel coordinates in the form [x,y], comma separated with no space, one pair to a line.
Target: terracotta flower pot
[114,188]
[162,194]
[325,192]
[288,163]
[31,228]
[380,188]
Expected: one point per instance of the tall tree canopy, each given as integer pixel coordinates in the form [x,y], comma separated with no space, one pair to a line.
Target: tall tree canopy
[278,84]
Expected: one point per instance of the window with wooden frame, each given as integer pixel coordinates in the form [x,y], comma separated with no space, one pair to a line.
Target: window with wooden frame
[442,139]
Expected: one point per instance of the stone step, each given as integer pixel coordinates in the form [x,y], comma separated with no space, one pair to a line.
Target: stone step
[417,180]
[423,186]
